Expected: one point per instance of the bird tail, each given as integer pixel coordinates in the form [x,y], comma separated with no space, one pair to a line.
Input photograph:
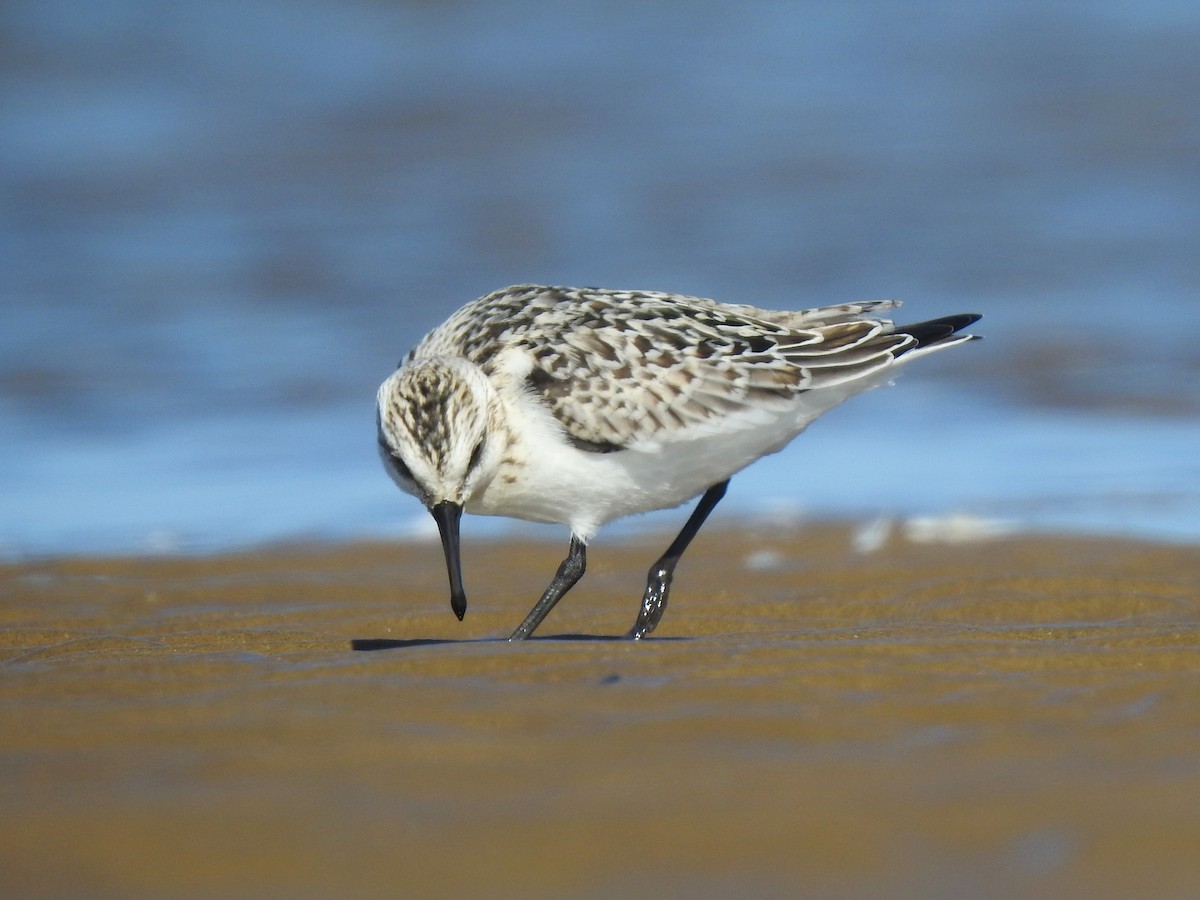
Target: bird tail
[936,334]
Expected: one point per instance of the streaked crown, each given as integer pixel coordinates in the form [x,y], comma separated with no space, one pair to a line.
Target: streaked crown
[433,429]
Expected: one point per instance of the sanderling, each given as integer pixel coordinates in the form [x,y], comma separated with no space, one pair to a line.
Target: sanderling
[579,405]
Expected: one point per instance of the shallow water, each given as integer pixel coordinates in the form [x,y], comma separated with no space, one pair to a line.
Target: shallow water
[222,225]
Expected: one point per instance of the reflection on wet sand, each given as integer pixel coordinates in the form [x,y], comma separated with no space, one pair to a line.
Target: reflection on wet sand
[1015,717]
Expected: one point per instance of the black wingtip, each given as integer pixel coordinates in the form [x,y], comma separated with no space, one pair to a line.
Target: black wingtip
[934,330]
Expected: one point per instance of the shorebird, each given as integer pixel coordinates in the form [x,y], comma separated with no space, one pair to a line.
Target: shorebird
[581,405]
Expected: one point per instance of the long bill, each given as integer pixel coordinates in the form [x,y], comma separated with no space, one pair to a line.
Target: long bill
[447,516]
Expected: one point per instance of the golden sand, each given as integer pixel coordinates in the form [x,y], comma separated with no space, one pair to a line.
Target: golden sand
[1011,718]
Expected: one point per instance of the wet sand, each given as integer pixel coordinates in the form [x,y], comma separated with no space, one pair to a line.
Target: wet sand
[1013,718]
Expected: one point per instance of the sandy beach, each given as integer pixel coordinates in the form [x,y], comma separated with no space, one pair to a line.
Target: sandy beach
[1016,717]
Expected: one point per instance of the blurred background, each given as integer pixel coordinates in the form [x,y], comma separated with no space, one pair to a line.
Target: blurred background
[222,224]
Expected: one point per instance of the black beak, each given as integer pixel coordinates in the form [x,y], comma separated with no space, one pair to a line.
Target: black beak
[447,516]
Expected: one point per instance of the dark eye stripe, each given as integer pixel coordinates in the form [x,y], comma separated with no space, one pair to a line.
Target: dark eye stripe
[476,455]
[394,462]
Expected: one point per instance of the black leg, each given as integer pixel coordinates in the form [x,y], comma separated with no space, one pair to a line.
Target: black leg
[569,571]
[658,582]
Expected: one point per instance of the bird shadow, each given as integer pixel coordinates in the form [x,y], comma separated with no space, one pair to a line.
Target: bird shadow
[368,645]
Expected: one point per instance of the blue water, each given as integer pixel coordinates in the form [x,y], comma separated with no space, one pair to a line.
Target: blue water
[222,224]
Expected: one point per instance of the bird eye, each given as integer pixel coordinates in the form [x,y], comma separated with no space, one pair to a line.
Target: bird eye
[476,455]
[400,468]
[394,463]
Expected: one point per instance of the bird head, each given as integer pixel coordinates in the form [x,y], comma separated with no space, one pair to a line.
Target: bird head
[433,419]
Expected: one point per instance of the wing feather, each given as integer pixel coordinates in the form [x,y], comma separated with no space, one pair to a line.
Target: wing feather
[640,368]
